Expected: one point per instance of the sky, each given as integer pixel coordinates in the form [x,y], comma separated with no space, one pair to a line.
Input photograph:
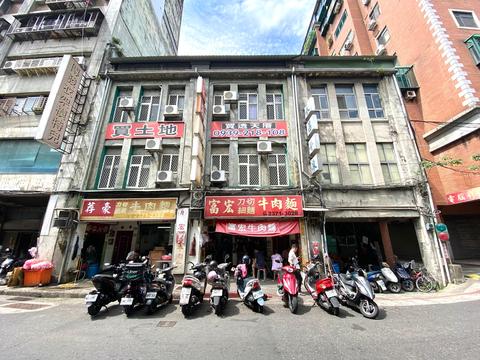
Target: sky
[244,27]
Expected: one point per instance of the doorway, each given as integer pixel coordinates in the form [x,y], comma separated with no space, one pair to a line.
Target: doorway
[123,244]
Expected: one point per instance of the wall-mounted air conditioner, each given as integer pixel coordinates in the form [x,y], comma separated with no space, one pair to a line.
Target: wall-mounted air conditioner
[126,103]
[64,219]
[171,110]
[153,144]
[348,45]
[372,24]
[309,108]
[312,125]
[220,111]
[218,176]
[314,144]
[381,50]
[164,176]
[9,65]
[230,96]
[264,147]
[410,94]
[39,105]
[315,165]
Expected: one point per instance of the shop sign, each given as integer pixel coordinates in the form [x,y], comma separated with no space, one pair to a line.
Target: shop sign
[253,206]
[181,231]
[258,229]
[464,196]
[128,209]
[144,130]
[98,228]
[251,129]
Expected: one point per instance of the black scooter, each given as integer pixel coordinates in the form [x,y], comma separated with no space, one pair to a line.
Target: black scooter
[138,278]
[160,290]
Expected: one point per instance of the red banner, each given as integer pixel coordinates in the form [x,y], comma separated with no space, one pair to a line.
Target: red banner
[143,130]
[464,196]
[248,129]
[253,206]
[258,229]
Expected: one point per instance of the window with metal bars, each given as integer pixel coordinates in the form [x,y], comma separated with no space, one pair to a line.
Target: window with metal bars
[320,98]
[169,162]
[109,171]
[247,106]
[221,162]
[249,170]
[330,172]
[177,99]
[218,99]
[274,106]
[372,97]
[138,171]
[119,115]
[149,108]
[388,162]
[347,103]
[277,169]
[358,164]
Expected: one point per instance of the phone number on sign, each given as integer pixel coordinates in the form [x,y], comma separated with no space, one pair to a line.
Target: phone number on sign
[248,132]
[280,213]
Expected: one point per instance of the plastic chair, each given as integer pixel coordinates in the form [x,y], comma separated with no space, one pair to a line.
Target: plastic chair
[264,271]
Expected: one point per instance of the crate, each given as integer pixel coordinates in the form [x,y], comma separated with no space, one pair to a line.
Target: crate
[37,277]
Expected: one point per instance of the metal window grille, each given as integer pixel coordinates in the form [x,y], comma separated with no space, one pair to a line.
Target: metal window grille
[358,164]
[330,170]
[149,108]
[274,106]
[109,172]
[218,100]
[120,115]
[139,171]
[347,103]
[388,162]
[249,170]
[374,104]
[176,99]
[320,98]
[247,106]
[277,169]
[221,162]
[169,162]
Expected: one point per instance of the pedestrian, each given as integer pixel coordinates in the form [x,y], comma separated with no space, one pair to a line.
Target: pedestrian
[277,263]
[293,260]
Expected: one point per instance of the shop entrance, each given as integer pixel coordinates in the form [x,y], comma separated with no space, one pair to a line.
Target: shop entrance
[123,245]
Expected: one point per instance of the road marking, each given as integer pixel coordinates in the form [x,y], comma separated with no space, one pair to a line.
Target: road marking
[23,307]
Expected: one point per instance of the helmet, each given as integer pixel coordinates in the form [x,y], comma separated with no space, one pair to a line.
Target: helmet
[246,259]
[213,264]
[133,256]
[212,276]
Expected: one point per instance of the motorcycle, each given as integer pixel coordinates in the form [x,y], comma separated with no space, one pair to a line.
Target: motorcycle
[249,289]
[160,290]
[321,289]
[377,281]
[404,277]
[6,265]
[193,287]
[138,277]
[388,277]
[109,285]
[219,278]
[288,287]
[354,290]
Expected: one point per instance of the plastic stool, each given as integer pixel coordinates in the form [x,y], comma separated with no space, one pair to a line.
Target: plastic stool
[264,271]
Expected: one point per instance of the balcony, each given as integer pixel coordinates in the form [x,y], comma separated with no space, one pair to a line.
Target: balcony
[56,25]
[473,45]
[67,4]
[36,67]
[406,78]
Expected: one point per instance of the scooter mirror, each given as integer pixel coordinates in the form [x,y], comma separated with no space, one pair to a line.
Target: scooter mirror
[227,257]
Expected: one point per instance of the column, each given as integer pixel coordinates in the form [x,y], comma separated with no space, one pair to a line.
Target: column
[387,243]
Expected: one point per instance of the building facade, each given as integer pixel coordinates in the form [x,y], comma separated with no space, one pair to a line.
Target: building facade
[35,180]
[437,44]
[223,155]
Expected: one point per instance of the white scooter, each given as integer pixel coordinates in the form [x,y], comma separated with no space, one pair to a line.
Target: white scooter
[249,289]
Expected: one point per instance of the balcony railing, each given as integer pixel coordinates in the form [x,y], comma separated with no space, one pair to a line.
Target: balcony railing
[56,24]
[67,4]
[406,78]
[36,67]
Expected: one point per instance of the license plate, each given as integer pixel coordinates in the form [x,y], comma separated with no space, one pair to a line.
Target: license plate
[151,295]
[330,293]
[217,292]
[382,284]
[185,296]
[258,295]
[90,298]
[126,301]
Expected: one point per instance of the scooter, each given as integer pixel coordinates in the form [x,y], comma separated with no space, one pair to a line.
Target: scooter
[193,287]
[404,277]
[219,278]
[249,289]
[288,287]
[377,281]
[109,285]
[354,290]
[138,277]
[160,290]
[6,265]
[321,289]
[391,280]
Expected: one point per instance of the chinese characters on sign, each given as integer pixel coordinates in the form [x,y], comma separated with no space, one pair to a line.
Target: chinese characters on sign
[128,209]
[253,206]
[143,130]
[464,196]
[224,129]
[258,229]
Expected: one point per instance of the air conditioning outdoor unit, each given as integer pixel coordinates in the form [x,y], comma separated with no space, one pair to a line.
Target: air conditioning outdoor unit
[171,110]
[126,102]
[164,176]
[264,147]
[64,219]
[366,2]
[381,50]
[9,65]
[217,176]
[348,45]
[39,105]
[230,96]
[372,24]
[309,108]
[410,95]
[220,110]
[153,144]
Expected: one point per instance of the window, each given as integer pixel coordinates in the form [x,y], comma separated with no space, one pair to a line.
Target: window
[383,37]
[218,100]
[27,156]
[277,169]
[149,107]
[22,105]
[247,106]
[169,162]
[119,115]
[375,110]
[139,171]
[249,170]
[375,13]
[330,173]
[320,98]
[347,45]
[109,172]
[221,162]
[388,163]
[473,45]
[176,99]
[358,164]
[274,106]
[406,78]
[465,19]
[347,103]
[340,24]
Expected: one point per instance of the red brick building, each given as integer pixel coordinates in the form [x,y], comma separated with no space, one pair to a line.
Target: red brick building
[437,44]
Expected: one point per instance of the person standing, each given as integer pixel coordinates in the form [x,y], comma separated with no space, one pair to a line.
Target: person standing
[293,261]
[276,265]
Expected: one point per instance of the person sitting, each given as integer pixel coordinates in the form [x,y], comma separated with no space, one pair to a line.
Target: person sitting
[277,262]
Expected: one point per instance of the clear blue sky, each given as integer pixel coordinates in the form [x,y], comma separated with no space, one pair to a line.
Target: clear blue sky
[244,27]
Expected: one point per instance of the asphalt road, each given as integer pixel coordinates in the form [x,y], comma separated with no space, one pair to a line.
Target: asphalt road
[63,330]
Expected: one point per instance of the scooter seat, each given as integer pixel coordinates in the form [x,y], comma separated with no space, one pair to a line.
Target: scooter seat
[346,281]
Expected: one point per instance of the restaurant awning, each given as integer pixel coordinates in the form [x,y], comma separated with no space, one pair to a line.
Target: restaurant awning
[258,228]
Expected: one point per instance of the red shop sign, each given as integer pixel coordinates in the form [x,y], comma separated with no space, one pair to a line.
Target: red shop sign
[143,130]
[258,229]
[464,196]
[248,129]
[253,206]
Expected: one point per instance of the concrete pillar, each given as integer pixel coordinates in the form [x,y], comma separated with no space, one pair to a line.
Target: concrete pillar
[387,243]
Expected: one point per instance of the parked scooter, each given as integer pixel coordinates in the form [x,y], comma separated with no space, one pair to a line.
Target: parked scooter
[377,281]
[193,287]
[322,289]
[6,265]
[138,277]
[388,277]
[288,287]
[404,277]
[248,288]
[109,286]
[160,290]
[219,278]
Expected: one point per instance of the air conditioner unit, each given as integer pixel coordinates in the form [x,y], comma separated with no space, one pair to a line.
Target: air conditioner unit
[264,147]
[381,50]
[126,102]
[219,110]
[9,65]
[338,6]
[171,110]
[410,95]
[39,105]
[314,144]
[348,45]
[309,108]
[366,2]
[153,144]
[164,176]
[372,24]
[64,219]
[230,96]
[218,176]
[316,165]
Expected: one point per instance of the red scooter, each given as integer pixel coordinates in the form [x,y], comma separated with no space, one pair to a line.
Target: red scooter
[288,287]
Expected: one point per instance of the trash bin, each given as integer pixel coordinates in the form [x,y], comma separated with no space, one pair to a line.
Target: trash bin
[37,277]
[92,270]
